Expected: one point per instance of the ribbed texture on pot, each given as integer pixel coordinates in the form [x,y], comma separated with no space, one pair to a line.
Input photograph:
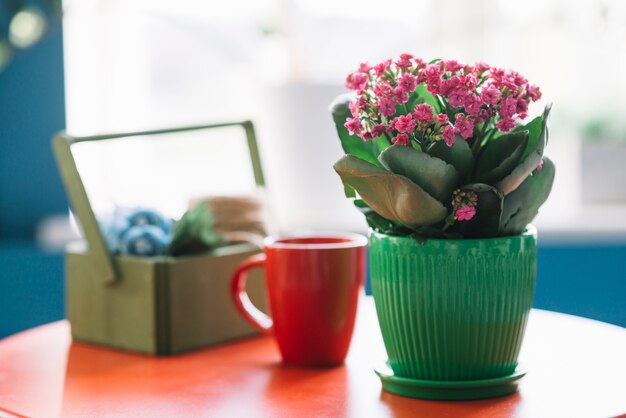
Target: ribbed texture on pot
[453,309]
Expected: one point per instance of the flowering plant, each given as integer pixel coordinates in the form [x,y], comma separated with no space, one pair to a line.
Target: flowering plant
[439,149]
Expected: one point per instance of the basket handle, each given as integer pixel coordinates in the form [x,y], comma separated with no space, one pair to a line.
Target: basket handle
[105,266]
[105,270]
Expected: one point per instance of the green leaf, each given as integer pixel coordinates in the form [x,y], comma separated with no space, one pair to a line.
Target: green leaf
[432,174]
[522,205]
[533,152]
[499,156]
[427,97]
[534,133]
[414,100]
[194,232]
[349,192]
[486,221]
[422,95]
[459,155]
[390,195]
[448,110]
[378,223]
[422,234]
[352,144]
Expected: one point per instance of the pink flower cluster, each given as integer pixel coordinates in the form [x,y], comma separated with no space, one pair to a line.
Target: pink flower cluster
[464,205]
[389,100]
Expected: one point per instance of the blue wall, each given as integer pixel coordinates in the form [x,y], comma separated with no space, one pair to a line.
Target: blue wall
[31,286]
[32,109]
[584,280]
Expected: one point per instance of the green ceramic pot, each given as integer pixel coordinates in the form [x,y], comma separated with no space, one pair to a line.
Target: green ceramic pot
[453,310]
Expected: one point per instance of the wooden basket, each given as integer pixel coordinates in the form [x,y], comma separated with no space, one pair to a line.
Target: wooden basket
[157,305]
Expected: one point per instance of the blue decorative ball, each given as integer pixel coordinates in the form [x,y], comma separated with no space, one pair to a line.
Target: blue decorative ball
[144,240]
[112,226]
[150,217]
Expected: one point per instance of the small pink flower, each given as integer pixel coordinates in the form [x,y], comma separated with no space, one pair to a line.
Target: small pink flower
[505,125]
[432,71]
[490,95]
[448,135]
[473,104]
[518,79]
[540,166]
[354,109]
[378,130]
[365,67]
[469,81]
[452,66]
[380,68]
[442,118]
[421,77]
[496,73]
[522,105]
[401,139]
[508,107]
[405,61]
[449,85]
[481,67]
[356,81]
[465,213]
[400,95]
[463,127]
[407,83]
[457,96]
[356,106]
[433,85]
[387,107]
[382,89]
[508,81]
[404,123]
[353,125]
[423,112]
[533,92]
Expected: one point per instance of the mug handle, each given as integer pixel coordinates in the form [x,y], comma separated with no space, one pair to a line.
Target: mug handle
[251,313]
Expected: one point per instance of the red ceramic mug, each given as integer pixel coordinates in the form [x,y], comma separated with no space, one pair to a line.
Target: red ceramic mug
[313,287]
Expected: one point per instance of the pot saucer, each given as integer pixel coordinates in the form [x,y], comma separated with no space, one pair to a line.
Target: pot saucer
[448,390]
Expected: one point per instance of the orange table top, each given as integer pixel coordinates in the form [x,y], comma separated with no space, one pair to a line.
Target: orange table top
[576,367]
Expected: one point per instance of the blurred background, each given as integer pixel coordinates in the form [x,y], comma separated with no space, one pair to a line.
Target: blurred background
[103,66]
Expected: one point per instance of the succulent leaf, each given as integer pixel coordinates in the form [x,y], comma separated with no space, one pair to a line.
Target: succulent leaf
[432,174]
[392,196]
[533,152]
[500,156]
[522,205]
[352,144]
[379,223]
[459,155]
[534,128]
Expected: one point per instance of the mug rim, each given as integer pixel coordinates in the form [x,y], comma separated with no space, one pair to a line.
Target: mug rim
[337,240]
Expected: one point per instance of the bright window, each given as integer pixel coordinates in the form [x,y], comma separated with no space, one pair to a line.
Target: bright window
[134,65]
